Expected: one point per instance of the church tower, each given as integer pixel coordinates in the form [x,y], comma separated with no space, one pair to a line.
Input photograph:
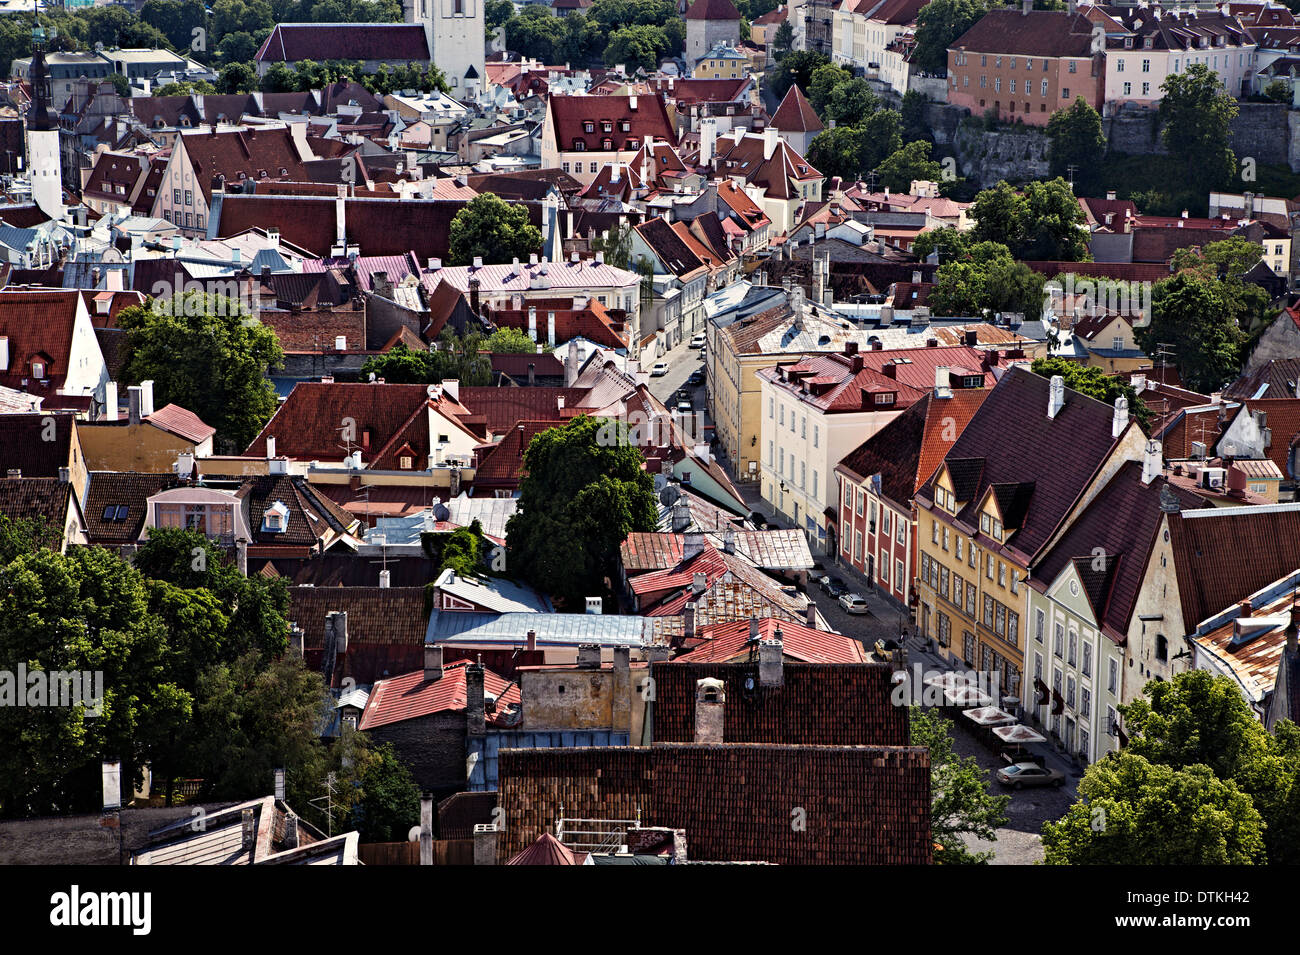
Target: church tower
[456,31]
[43,137]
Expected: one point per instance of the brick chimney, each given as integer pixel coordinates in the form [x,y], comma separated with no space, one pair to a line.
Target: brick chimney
[693,545]
[475,715]
[432,663]
[771,670]
[710,710]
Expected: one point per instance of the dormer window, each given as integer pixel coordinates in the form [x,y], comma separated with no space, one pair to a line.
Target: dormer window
[885,398]
[607,127]
[588,127]
[38,369]
[406,462]
[579,146]
[626,126]
[1149,43]
[607,144]
[275,518]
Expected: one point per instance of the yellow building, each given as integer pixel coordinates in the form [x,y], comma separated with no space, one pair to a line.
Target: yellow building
[723,62]
[1032,457]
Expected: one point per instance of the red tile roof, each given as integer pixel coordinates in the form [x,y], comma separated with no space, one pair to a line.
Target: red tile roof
[409,697]
[291,42]
[712,10]
[795,114]
[1284,423]
[257,154]
[39,325]
[648,119]
[182,423]
[548,850]
[729,643]
[386,627]
[1051,33]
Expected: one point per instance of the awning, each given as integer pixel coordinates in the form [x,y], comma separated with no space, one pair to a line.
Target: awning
[1018,733]
[950,680]
[989,716]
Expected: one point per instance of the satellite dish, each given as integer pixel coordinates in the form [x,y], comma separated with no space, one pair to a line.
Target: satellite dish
[413,835]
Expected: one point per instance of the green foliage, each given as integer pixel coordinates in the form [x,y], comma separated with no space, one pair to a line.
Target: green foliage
[497,13]
[1041,221]
[208,355]
[849,151]
[939,23]
[1076,140]
[1134,812]
[783,39]
[913,115]
[390,806]
[1278,91]
[912,162]
[463,550]
[950,242]
[616,245]
[237,78]
[637,45]
[1197,113]
[493,229]
[1093,382]
[185,88]
[960,803]
[121,85]
[581,495]
[1196,315]
[796,69]
[457,358]
[986,279]
[822,83]
[510,340]
[25,535]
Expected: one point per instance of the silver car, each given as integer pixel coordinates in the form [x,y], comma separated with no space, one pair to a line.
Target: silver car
[852,603]
[1020,775]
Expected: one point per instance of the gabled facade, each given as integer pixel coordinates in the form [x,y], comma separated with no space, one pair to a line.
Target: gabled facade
[583,133]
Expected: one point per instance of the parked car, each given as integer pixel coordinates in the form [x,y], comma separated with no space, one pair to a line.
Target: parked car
[1020,775]
[853,603]
[696,378]
[685,407]
[698,341]
[660,369]
[820,578]
[835,587]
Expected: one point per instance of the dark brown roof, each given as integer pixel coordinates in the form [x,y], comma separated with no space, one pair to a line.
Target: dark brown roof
[862,805]
[1280,378]
[795,114]
[312,515]
[1222,555]
[257,154]
[1038,33]
[712,10]
[36,498]
[291,42]
[818,705]
[1008,439]
[22,446]
[385,628]
[648,119]
[116,504]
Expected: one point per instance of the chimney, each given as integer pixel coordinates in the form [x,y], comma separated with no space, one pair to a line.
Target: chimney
[681,518]
[295,641]
[65,475]
[426,828]
[693,546]
[1056,396]
[729,540]
[1025,7]
[4,352]
[1120,420]
[475,715]
[595,606]
[550,329]
[770,136]
[622,658]
[1110,195]
[146,398]
[708,140]
[110,395]
[688,621]
[589,656]
[485,844]
[1151,461]
[290,831]
[771,672]
[385,579]
[656,653]
[133,404]
[111,779]
[942,388]
[241,556]
[248,831]
[699,581]
[451,388]
[531,644]
[270,447]
[810,615]
[532,371]
[340,222]
[336,623]
[710,710]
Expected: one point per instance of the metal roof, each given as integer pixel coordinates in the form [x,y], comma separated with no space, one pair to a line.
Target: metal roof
[510,630]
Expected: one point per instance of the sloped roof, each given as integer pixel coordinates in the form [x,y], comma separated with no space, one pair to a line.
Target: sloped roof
[712,10]
[649,119]
[409,697]
[795,114]
[291,42]
[730,643]
[548,850]
[182,423]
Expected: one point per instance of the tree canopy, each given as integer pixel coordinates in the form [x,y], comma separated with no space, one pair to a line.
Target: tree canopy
[1042,220]
[490,228]
[1077,145]
[1195,314]
[580,497]
[1093,382]
[207,354]
[1196,114]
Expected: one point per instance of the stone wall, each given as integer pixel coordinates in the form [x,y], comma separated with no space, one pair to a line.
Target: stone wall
[91,839]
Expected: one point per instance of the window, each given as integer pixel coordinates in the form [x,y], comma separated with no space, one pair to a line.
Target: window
[1085,702]
[803,426]
[816,435]
[1044,88]
[593,169]
[1119,65]
[1162,648]
[898,574]
[1058,641]
[901,531]
[997,84]
[988,611]
[1000,620]
[176,196]
[814,483]
[943,582]
[989,572]
[945,538]
[1146,89]
[1013,86]
[961,541]
[970,600]
[1002,574]
[1015,581]
[189,197]
[1065,93]
[1038,625]
[885,398]
[1069,692]
[1074,647]
[984,82]
[884,568]
[406,462]
[1087,658]
[771,407]
[968,647]
[1146,66]
[1112,678]
[957,584]
[782,417]
[1128,89]
[1013,628]
[1073,67]
[945,630]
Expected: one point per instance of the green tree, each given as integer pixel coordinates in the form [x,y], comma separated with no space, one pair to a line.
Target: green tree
[783,40]
[1076,140]
[1278,91]
[497,13]
[1093,382]
[510,340]
[960,803]
[1196,114]
[796,69]
[237,78]
[849,151]
[950,242]
[463,550]
[490,228]
[983,279]
[637,45]
[121,85]
[24,535]
[584,490]
[459,358]
[938,24]
[207,354]
[904,166]
[1135,812]
[390,806]
[913,116]
[83,612]
[1194,314]
[616,245]
[822,84]
[1042,221]
[1228,261]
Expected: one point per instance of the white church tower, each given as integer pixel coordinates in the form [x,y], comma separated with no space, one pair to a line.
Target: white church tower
[43,137]
[457,34]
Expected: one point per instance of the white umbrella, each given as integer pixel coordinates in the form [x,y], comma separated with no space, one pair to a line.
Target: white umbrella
[1019,733]
[967,696]
[949,680]
[989,716]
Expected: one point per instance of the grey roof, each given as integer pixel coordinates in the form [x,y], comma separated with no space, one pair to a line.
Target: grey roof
[501,596]
[510,630]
